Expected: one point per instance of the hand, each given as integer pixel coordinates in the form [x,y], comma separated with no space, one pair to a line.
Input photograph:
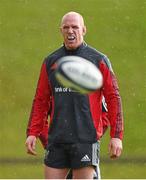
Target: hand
[30,145]
[115,147]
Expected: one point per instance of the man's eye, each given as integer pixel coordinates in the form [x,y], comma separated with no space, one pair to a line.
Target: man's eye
[65,27]
[75,27]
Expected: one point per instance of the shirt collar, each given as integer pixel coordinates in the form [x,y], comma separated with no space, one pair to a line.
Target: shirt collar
[74,51]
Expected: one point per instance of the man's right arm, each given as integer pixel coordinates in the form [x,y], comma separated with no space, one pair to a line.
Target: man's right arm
[39,112]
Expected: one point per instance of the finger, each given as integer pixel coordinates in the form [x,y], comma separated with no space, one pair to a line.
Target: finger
[33,147]
[32,152]
[33,144]
[118,152]
[113,152]
[113,156]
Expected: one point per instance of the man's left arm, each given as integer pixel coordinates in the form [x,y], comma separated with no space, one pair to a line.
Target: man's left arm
[114,106]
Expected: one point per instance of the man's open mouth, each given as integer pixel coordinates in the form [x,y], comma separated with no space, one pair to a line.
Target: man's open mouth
[71,38]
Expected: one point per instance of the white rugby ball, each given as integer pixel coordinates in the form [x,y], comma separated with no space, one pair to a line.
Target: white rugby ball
[79,74]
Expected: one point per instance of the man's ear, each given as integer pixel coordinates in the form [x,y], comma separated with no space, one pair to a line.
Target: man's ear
[84,30]
[60,29]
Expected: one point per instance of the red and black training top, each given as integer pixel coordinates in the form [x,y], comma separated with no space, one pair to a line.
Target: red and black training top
[75,117]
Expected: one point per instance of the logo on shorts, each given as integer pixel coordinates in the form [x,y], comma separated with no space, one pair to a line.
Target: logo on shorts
[85,158]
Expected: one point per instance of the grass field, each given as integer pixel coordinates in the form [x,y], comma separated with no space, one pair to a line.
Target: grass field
[29,32]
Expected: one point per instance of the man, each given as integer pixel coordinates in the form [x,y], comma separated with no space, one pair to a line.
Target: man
[75,120]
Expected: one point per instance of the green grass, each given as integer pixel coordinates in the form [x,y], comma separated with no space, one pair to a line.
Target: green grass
[29,31]
[22,171]
[123,171]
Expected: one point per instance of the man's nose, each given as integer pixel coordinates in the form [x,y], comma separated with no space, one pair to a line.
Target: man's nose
[70,30]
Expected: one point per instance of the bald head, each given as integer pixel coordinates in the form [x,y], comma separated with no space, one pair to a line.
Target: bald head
[73,14]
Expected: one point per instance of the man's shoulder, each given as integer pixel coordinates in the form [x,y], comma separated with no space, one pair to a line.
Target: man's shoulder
[98,53]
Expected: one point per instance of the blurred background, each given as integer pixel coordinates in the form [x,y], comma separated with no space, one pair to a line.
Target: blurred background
[29,31]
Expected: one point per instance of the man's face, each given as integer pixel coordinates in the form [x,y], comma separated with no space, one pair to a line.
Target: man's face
[73,30]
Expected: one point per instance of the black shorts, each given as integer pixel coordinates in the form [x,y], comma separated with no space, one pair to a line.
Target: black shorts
[72,155]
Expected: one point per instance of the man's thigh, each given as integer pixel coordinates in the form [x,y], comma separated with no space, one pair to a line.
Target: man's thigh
[54,173]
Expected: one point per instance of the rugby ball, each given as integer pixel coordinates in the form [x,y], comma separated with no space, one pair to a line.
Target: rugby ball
[79,74]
